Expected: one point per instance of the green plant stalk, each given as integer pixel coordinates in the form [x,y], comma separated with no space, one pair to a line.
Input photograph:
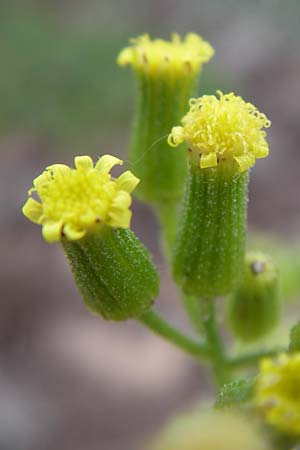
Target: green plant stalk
[212,351]
[210,244]
[248,359]
[161,103]
[214,340]
[193,310]
[156,323]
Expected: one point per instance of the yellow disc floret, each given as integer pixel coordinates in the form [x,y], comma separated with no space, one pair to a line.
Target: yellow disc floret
[223,131]
[174,57]
[278,392]
[74,201]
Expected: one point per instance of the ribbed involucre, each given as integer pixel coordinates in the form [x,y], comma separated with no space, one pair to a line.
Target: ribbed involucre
[114,273]
[161,102]
[210,245]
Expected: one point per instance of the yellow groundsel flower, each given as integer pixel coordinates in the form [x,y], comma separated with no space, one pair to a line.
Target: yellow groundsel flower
[223,131]
[174,57]
[74,201]
[278,392]
[211,431]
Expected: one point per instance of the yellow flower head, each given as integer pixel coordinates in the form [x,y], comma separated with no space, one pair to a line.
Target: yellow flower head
[223,131]
[74,201]
[211,431]
[173,57]
[278,392]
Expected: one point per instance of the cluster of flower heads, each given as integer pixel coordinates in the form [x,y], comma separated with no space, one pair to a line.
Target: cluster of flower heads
[74,201]
[278,392]
[174,57]
[223,130]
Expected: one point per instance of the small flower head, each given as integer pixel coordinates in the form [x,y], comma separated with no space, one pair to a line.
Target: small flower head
[224,131]
[211,431]
[75,201]
[278,392]
[175,57]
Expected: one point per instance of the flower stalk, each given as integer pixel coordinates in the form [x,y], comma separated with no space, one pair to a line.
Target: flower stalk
[156,323]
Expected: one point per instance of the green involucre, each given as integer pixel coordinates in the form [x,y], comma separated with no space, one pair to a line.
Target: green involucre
[210,245]
[161,102]
[114,273]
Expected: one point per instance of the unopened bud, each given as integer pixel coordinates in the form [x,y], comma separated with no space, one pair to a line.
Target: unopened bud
[254,307]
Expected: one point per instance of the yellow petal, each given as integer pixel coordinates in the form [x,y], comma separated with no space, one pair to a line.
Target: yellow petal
[41,180]
[73,233]
[83,162]
[106,162]
[127,181]
[245,161]
[209,160]
[47,175]
[176,136]
[52,231]
[120,218]
[122,200]
[125,57]
[33,210]
[261,152]
[192,38]
[57,168]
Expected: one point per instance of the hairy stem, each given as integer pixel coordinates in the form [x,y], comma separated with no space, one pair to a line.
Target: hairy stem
[214,340]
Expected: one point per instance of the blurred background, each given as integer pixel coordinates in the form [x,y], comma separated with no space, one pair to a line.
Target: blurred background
[68,380]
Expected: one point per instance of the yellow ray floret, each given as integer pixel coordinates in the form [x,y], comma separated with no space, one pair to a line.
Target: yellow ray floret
[278,392]
[74,201]
[225,130]
[175,57]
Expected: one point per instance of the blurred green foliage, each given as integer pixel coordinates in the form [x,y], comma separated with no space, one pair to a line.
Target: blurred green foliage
[56,81]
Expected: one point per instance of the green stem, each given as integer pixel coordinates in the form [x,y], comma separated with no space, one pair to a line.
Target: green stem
[214,341]
[209,324]
[193,309]
[156,323]
[251,358]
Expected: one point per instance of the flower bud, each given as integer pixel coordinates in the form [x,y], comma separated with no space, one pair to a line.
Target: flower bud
[88,212]
[211,430]
[166,74]
[254,308]
[224,138]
